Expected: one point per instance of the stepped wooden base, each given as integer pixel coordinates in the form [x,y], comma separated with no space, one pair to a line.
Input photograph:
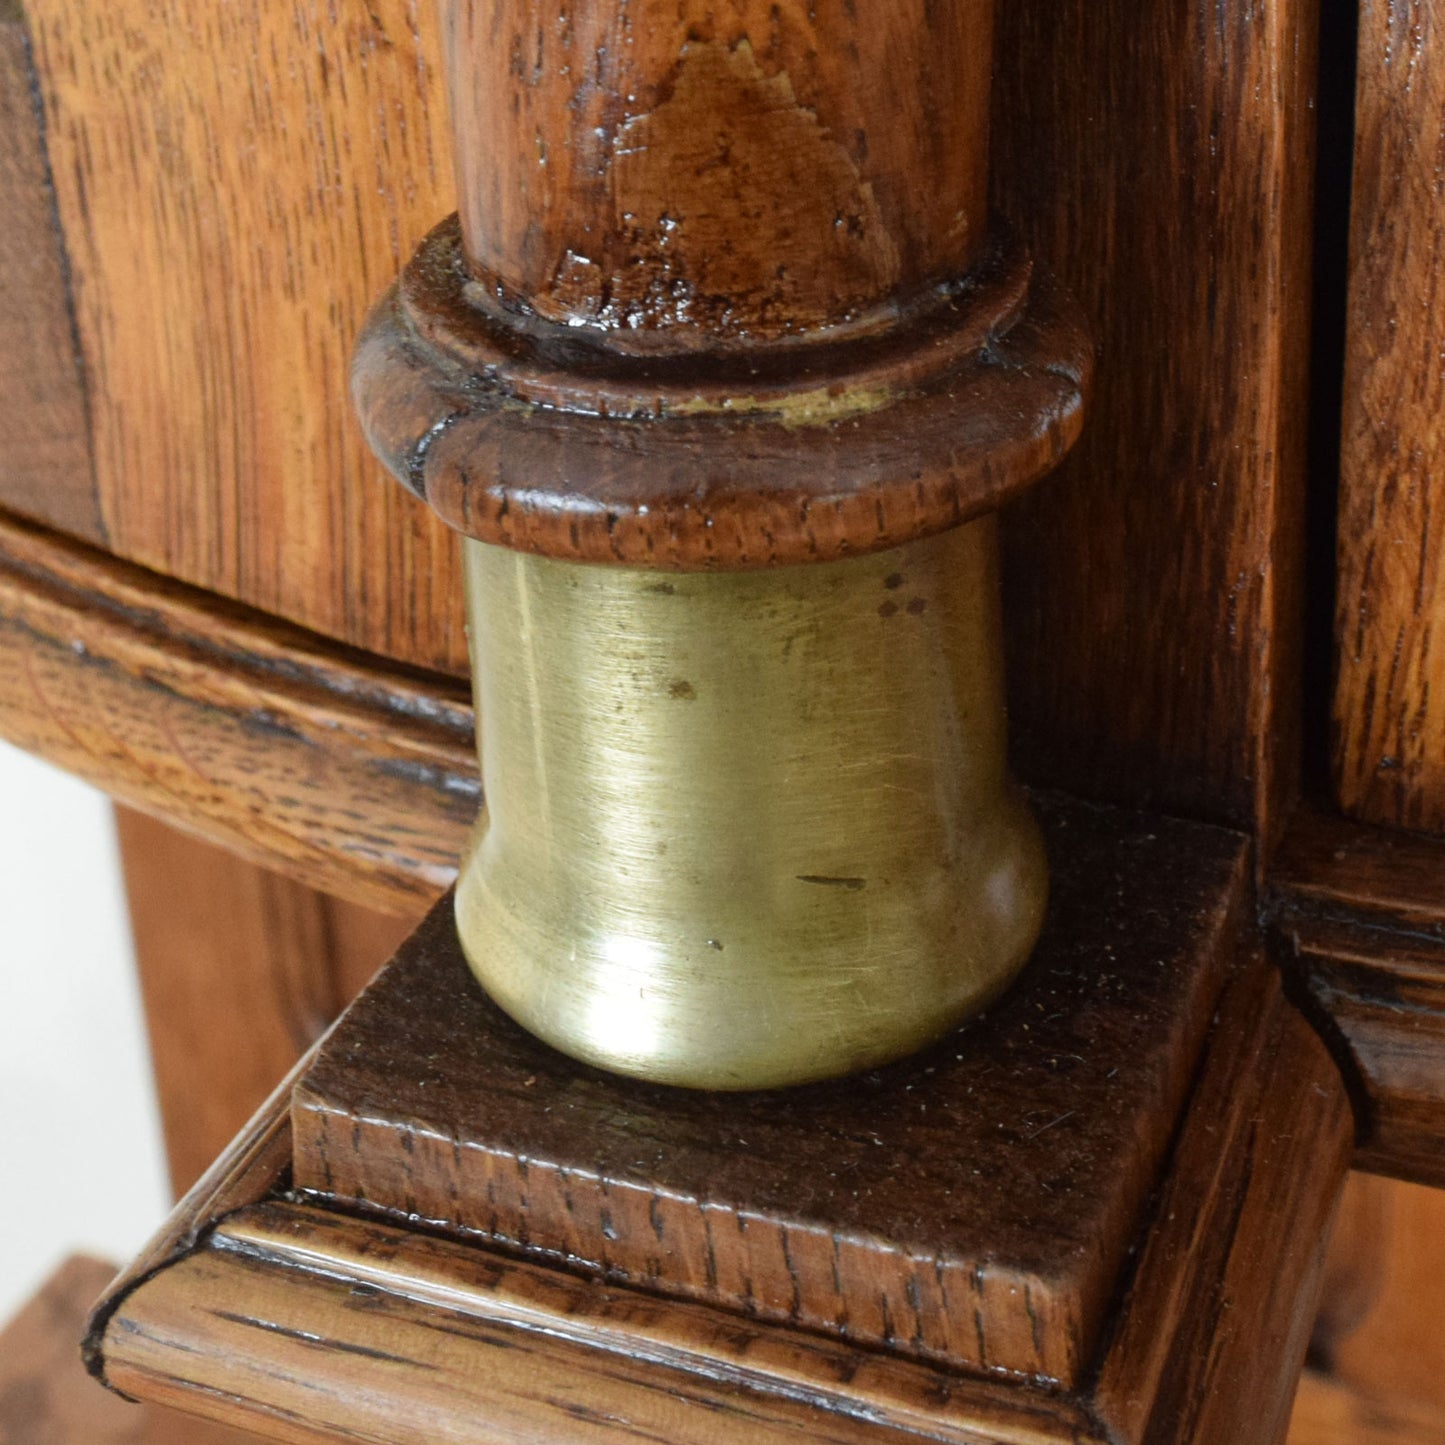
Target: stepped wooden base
[1097,1215]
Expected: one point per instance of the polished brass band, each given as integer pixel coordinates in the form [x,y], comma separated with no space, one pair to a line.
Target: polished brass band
[745,829]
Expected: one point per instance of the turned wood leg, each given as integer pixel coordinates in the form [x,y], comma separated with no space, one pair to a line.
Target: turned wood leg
[241,969]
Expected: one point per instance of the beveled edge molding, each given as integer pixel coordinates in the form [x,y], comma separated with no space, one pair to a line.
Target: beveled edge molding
[348,772]
[1356,914]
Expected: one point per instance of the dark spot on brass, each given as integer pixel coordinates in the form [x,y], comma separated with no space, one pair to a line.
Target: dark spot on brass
[715,943]
[854,884]
[888,609]
[683,690]
[663,589]
[917,605]
[894,581]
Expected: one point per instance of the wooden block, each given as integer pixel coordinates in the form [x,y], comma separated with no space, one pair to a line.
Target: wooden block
[316,1326]
[974,1205]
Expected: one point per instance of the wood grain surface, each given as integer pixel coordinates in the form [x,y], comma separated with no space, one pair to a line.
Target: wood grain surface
[45,1396]
[1389,706]
[1152,626]
[1212,1337]
[45,466]
[237,184]
[309,1325]
[352,775]
[241,971]
[314,1327]
[705,176]
[1158,158]
[1358,918]
[973,1205]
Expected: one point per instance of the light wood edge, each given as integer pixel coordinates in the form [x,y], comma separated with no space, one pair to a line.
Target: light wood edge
[349,773]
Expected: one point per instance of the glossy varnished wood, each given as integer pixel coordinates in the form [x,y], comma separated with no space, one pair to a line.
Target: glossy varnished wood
[219,941]
[1029,1140]
[1389,707]
[712,175]
[236,185]
[1158,158]
[353,776]
[1358,916]
[45,466]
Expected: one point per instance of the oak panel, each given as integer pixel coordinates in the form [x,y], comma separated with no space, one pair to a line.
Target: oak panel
[45,467]
[236,184]
[1157,156]
[1389,706]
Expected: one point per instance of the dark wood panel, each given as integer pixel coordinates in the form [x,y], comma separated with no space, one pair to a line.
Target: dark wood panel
[351,775]
[45,1396]
[1358,915]
[45,463]
[242,970]
[1389,707]
[1158,157]
[860,1208]
[237,183]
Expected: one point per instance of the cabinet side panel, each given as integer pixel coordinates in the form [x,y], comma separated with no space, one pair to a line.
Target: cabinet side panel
[237,183]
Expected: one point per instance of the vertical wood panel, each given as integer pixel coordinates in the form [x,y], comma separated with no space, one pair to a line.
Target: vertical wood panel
[1389,711]
[237,184]
[45,468]
[241,970]
[1158,156]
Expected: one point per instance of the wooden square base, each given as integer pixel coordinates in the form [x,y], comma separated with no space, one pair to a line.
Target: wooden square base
[1096,1215]
[973,1205]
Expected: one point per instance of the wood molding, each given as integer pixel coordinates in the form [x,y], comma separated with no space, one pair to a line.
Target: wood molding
[311,1326]
[45,1397]
[1357,914]
[352,775]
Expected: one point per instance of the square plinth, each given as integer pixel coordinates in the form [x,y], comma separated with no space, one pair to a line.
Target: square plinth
[974,1205]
